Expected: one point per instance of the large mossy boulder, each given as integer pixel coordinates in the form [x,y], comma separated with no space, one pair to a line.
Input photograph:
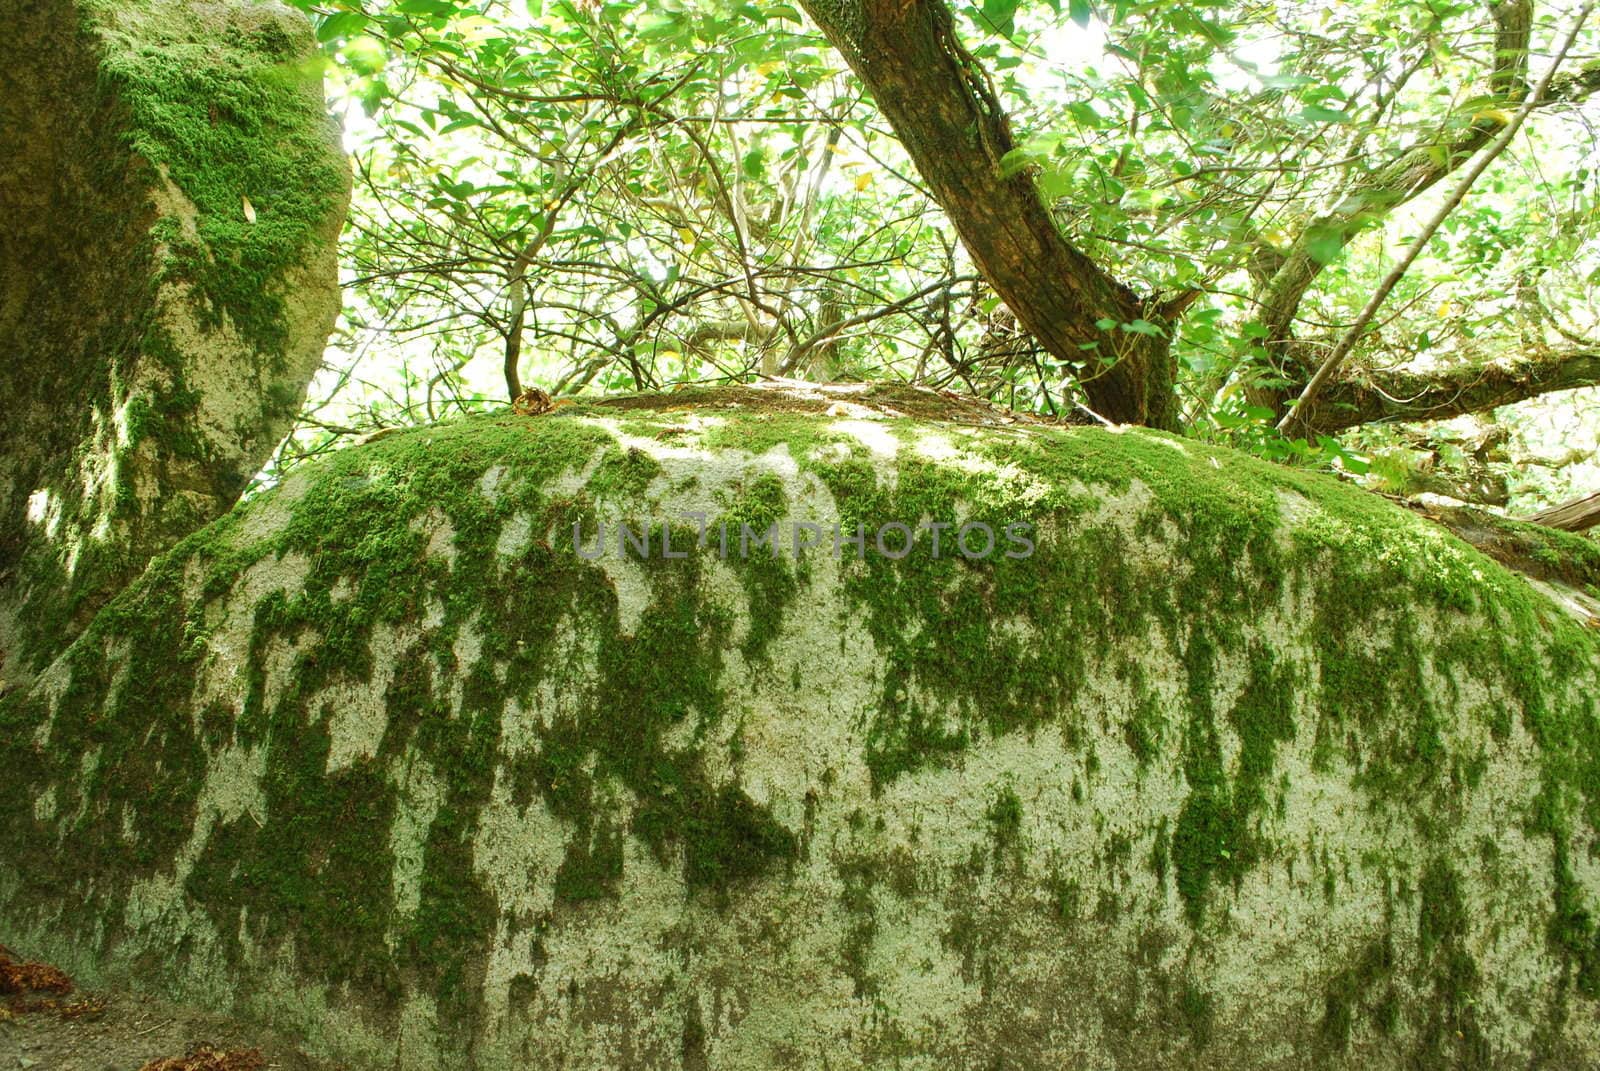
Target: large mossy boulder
[1237,768]
[171,189]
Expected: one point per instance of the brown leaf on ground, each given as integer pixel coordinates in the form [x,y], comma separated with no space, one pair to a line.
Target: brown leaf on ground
[535,402]
[88,1008]
[205,1058]
[28,977]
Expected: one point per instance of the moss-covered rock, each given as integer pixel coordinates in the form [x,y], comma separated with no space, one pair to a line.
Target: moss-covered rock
[171,189]
[1210,765]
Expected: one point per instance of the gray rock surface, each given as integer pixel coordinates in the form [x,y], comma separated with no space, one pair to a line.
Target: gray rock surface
[1239,768]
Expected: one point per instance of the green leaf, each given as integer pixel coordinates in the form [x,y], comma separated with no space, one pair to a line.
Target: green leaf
[1002,14]
[754,164]
[1080,11]
[1226,420]
[1054,184]
[1287,81]
[1316,113]
[434,8]
[535,7]
[1325,246]
[1016,160]
[659,25]
[341,24]
[365,55]
[1084,113]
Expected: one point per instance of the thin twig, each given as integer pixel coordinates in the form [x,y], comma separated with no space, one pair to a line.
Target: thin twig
[1296,417]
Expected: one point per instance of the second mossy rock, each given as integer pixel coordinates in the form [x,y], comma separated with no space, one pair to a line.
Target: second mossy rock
[171,193]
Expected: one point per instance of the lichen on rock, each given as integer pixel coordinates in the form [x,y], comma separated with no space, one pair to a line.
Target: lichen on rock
[172,189]
[1237,767]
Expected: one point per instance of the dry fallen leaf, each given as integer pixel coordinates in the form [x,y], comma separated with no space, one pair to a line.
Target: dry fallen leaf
[206,1058]
[532,402]
[18,977]
[249,210]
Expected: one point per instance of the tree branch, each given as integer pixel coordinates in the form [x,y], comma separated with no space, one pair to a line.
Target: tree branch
[1385,397]
[1412,172]
[1295,419]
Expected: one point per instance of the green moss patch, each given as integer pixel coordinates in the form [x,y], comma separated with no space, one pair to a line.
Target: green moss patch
[1151,558]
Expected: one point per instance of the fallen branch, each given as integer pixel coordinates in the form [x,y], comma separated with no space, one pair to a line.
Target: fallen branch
[1578,515]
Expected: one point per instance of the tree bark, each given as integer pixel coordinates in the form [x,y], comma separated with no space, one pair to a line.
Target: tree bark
[1379,397]
[944,110]
[1579,515]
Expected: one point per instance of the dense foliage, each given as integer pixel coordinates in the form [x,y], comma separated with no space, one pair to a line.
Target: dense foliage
[610,196]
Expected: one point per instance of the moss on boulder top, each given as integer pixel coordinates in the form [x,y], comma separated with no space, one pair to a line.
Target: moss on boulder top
[172,189]
[1201,763]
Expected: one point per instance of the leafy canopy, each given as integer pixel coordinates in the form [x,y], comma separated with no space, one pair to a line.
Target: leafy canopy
[619,196]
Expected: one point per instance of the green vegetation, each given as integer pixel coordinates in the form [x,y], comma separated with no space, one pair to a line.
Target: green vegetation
[381,731]
[230,112]
[1223,200]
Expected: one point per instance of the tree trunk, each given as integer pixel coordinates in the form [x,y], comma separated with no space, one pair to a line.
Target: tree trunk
[1576,516]
[944,110]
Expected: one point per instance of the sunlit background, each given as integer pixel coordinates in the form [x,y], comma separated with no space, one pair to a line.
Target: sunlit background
[671,193]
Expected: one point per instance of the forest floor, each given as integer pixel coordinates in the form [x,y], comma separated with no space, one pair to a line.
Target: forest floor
[46,1024]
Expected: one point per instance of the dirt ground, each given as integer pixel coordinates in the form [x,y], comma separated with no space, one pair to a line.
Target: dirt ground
[48,1025]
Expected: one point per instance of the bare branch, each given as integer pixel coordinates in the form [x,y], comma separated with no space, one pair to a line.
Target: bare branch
[1293,419]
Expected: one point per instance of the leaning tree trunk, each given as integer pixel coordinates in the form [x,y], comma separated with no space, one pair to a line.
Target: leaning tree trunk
[944,110]
[1578,515]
